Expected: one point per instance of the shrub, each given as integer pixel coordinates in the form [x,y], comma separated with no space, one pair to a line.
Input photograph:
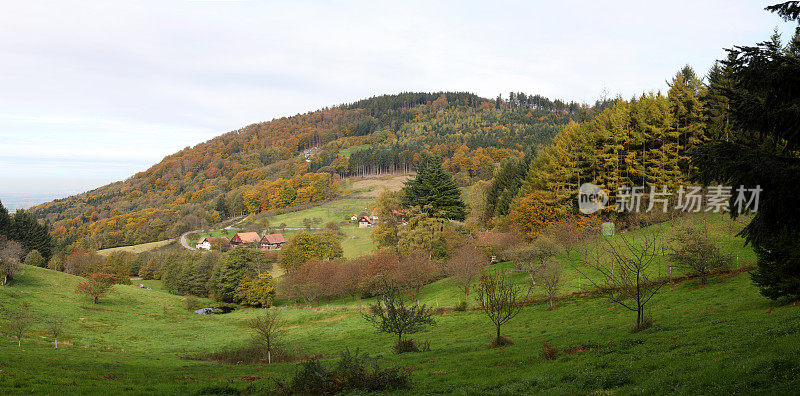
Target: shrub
[549,352]
[405,346]
[252,352]
[500,342]
[35,259]
[353,372]
[461,307]
[192,303]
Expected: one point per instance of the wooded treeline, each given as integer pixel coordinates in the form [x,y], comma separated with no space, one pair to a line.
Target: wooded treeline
[201,185]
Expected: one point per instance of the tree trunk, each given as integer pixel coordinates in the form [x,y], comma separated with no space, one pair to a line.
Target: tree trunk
[269,356]
[96,299]
[56,342]
[498,334]
[19,342]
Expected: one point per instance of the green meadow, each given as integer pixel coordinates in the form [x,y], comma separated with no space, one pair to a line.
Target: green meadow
[719,338]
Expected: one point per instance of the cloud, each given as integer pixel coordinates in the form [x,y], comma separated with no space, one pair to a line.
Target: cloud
[109,88]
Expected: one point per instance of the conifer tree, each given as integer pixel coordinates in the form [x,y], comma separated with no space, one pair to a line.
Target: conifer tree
[5,221]
[762,150]
[435,191]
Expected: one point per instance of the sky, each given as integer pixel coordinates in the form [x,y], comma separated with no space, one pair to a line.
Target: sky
[93,92]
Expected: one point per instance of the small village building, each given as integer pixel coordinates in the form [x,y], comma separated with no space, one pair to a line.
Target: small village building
[244,238]
[272,241]
[364,222]
[207,243]
[354,218]
[374,214]
[203,243]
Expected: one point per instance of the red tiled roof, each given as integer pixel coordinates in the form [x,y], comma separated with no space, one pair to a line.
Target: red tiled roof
[222,240]
[273,238]
[247,237]
[202,239]
[364,219]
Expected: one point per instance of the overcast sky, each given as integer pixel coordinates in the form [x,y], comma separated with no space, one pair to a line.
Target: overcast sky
[93,92]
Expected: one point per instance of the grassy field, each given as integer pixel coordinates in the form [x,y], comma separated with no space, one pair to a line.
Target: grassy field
[720,338]
[136,248]
[337,211]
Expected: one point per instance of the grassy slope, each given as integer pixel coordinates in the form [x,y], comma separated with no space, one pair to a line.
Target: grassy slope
[136,248]
[720,338]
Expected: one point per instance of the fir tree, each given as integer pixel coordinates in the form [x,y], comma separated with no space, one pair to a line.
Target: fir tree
[762,150]
[435,192]
[5,221]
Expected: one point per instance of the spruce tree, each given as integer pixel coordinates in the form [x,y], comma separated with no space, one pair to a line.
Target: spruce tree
[762,150]
[5,221]
[435,191]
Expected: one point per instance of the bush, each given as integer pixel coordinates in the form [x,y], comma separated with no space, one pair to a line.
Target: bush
[252,352]
[549,352]
[352,372]
[500,342]
[405,346]
[35,259]
[192,303]
[461,307]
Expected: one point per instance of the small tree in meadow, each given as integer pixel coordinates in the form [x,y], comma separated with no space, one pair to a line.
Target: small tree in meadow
[694,250]
[465,267]
[390,314]
[96,286]
[626,270]
[548,276]
[20,321]
[267,327]
[10,255]
[501,300]
[55,326]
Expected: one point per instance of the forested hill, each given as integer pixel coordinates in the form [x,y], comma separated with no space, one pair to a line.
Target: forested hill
[300,159]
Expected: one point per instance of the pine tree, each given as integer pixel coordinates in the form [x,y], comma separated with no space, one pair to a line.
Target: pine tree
[435,191]
[5,221]
[762,150]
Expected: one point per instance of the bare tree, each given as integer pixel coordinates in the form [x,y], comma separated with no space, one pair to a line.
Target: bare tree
[390,314]
[501,299]
[531,259]
[20,321]
[464,267]
[696,251]
[268,329]
[548,275]
[626,271]
[55,325]
[11,254]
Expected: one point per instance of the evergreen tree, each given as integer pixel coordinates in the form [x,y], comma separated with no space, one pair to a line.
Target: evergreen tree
[5,221]
[33,236]
[762,150]
[688,112]
[435,191]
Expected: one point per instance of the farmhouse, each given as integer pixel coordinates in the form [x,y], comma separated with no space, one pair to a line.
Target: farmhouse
[364,222]
[203,243]
[245,238]
[272,241]
[353,217]
[206,243]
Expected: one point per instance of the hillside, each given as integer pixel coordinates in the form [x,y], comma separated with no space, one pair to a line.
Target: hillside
[299,160]
[722,337]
